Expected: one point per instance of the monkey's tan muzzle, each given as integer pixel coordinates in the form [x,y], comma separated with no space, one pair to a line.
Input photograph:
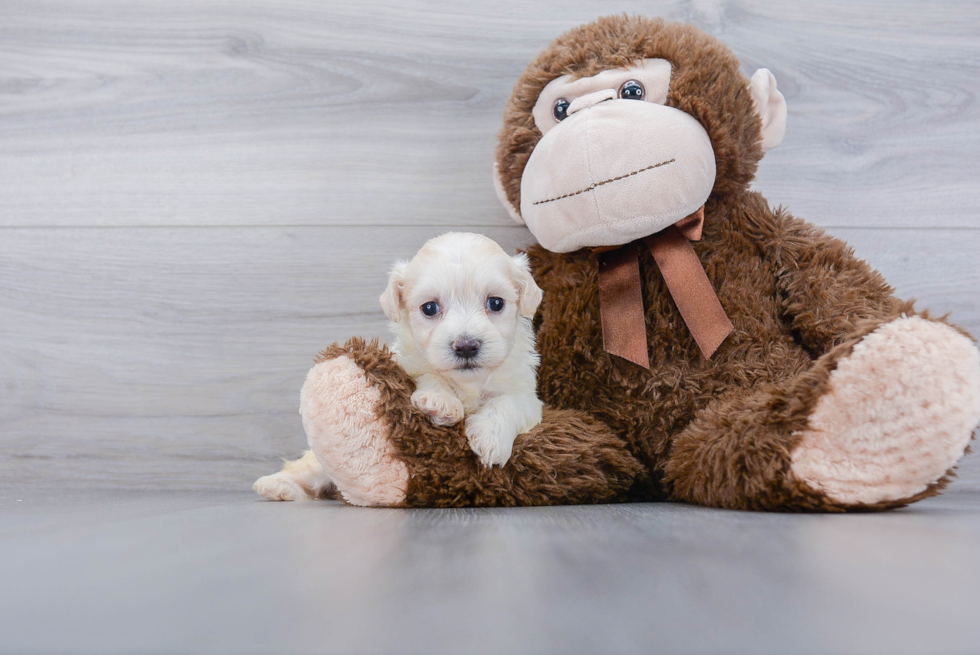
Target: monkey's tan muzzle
[615,171]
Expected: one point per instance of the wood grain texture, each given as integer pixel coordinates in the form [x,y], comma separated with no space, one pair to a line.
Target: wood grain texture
[195,197]
[227,573]
[379,113]
[173,357]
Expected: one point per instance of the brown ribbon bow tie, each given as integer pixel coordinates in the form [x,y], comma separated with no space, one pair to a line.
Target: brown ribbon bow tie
[624,331]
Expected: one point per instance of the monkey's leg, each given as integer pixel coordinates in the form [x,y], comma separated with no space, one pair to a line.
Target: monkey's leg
[878,422]
[380,450]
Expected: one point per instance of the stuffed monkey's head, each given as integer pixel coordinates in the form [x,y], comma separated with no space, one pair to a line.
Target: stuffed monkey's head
[627,125]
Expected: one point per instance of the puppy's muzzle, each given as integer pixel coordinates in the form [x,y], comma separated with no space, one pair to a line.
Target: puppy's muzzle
[466,347]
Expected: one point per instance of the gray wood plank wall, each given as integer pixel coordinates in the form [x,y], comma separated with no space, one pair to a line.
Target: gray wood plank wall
[195,197]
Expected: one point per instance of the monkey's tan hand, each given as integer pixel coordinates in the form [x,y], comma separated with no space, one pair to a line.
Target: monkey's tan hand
[443,408]
[490,439]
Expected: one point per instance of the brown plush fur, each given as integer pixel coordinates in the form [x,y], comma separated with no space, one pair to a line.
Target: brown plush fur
[568,459]
[716,432]
[705,82]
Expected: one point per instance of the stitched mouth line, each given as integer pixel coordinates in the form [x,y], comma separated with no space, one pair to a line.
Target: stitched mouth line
[598,184]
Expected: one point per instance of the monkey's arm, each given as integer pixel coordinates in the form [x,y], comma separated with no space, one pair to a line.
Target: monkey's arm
[859,428]
[825,293]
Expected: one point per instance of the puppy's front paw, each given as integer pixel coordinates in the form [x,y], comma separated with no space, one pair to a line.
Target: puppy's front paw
[442,408]
[277,487]
[488,440]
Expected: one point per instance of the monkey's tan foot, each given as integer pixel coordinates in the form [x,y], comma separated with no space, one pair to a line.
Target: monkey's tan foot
[898,415]
[279,487]
[341,415]
[381,450]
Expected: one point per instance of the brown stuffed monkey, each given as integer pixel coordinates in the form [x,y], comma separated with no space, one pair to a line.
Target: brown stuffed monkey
[696,345]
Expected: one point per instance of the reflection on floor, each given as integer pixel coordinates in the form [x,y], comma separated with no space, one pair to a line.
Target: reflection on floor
[193,572]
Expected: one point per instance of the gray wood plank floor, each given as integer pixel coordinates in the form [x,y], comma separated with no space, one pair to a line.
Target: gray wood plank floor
[221,572]
[197,196]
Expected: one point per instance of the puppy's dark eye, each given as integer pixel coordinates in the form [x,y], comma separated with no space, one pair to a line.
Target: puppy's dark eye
[430,308]
[495,304]
[631,90]
[560,110]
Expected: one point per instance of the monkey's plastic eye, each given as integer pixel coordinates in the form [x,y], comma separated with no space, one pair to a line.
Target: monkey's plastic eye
[560,110]
[631,90]
[495,304]
[430,308]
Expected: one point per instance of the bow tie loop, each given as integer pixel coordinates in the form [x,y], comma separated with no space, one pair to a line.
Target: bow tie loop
[621,297]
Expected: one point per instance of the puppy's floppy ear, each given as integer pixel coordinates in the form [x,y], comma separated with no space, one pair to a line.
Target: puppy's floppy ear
[530,292]
[391,299]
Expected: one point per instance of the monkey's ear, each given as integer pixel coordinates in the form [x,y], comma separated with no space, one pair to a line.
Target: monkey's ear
[498,186]
[391,299]
[771,107]
[530,292]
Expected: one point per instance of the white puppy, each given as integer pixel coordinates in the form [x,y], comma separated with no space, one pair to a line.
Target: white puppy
[461,313]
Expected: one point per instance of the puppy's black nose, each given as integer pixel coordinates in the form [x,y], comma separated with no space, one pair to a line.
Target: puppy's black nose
[466,347]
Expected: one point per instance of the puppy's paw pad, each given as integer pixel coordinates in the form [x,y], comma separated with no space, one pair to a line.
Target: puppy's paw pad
[442,408]
[276,487]
[487,441]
